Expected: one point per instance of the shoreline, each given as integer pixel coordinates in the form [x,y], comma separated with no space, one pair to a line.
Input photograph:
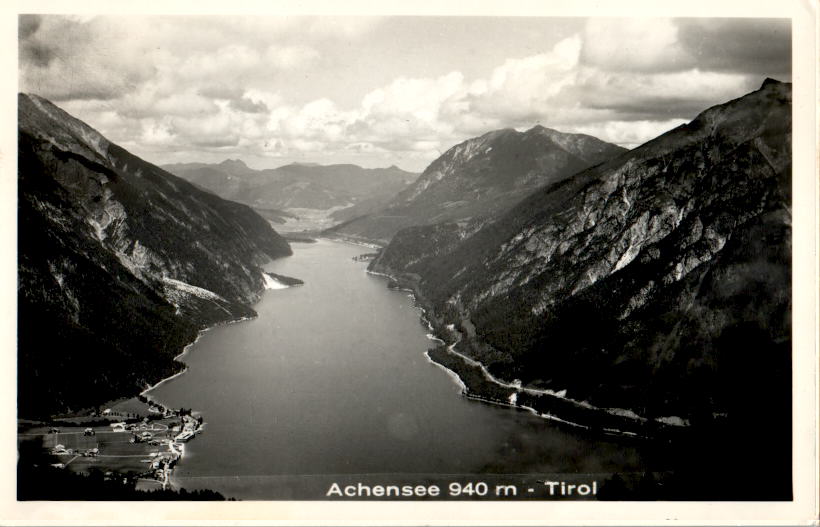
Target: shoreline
[539,402]
[450,373]
[194,426]
[465,391]
[349,241]
[190,426]
[186,350]
[272,282]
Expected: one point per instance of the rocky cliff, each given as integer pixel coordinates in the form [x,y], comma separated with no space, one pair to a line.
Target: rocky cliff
[120,264]
[482,178]
[657,283]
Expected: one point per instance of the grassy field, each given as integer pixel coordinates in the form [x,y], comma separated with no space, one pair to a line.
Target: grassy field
[116,451]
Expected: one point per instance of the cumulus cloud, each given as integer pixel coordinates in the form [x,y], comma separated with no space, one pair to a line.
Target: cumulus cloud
[633,44]
[630,133]
[290,56]
[640,96]
[244,104]
[187,89]
[67,58]
[523,88]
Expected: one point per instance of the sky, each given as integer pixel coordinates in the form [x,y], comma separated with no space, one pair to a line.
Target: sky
[378,91]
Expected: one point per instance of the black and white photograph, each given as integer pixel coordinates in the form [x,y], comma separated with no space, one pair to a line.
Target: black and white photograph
[375,257]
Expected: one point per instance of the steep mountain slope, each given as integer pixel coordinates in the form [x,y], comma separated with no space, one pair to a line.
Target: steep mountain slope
[344,191]
[658,283]
[119,264]
[481,178]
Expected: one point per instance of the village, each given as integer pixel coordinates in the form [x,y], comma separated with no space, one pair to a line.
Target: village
[134,438]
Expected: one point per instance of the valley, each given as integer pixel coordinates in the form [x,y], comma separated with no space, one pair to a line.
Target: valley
[301,196]
[595,297]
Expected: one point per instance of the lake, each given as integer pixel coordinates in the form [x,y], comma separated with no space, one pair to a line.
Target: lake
[330,383]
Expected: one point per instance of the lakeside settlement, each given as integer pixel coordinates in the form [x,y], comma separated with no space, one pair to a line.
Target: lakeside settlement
[135,439]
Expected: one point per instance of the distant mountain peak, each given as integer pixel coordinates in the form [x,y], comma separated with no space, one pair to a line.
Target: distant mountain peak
[494,134]
[300,185]
[482,177]
[549,133]
[233,163]
[234,167]
[554,134]
[541,128]
[770,82]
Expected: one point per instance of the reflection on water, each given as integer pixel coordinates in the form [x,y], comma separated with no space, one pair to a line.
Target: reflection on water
[331,378]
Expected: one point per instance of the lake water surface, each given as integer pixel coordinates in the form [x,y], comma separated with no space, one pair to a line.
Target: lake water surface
[331,379]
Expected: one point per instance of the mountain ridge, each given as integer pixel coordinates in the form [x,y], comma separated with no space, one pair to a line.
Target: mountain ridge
[342,190]
[690,230]
[123,262]
[482,177]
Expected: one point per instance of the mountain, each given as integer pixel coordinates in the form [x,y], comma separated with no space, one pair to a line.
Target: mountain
[119,264]
[234,167]
[334,192]
[223,179]
[655,285]
[482,178]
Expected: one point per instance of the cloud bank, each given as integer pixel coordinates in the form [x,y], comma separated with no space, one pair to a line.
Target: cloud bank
[207,88]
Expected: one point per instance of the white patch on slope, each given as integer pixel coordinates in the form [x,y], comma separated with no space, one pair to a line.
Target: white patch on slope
[272,283]
[624,412]
[137,261]
[673,420]
[191,290]
[110,212]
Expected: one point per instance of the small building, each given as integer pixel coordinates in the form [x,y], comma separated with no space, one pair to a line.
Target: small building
[184,436]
